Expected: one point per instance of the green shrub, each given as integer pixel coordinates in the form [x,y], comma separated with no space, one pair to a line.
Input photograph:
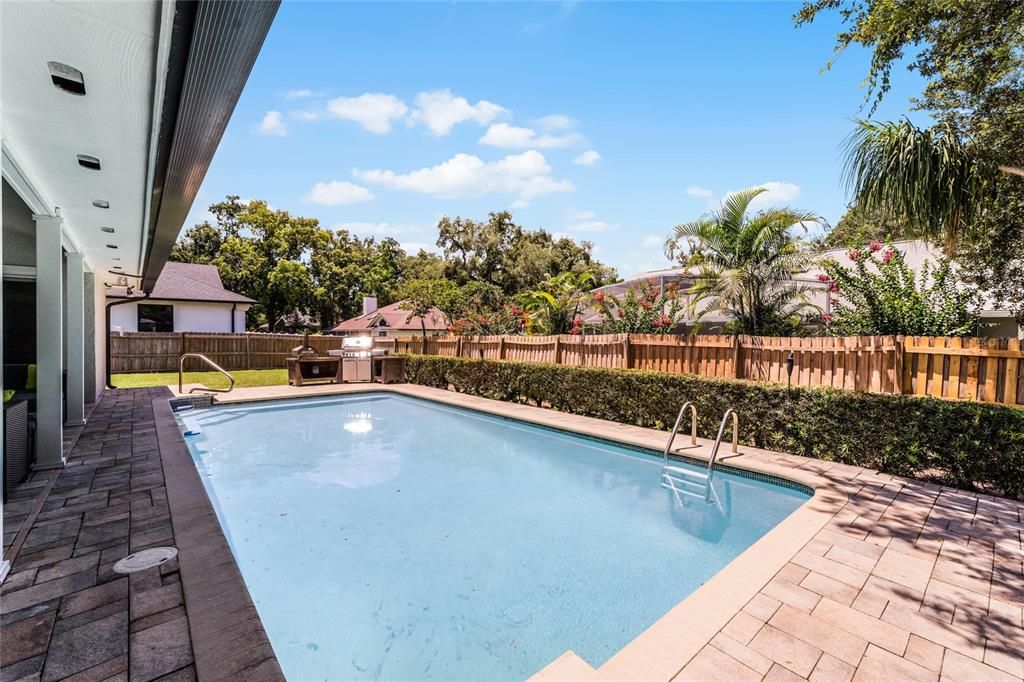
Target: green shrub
[964,444]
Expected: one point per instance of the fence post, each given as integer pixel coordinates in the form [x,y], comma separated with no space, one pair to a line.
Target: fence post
[627,362]
[558,350]
[248,353]
[501,347]
[900,359]
[458,346]
[737,356]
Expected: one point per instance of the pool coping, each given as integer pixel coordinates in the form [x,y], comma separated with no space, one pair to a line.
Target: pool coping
[662,650]
[228,638]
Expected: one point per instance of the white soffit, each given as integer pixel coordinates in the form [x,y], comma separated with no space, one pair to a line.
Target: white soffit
[113,44]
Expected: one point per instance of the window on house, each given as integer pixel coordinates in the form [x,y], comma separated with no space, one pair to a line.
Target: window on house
[156,318]
[382,332]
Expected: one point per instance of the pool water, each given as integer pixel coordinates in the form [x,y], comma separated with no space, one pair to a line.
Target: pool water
[387,537]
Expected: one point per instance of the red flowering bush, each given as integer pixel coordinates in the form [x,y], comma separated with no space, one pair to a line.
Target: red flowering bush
[508,319]
[641,310]
[881,294]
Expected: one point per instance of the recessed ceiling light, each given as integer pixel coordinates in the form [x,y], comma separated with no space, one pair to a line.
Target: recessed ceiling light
[117,267]
[99,203]
[108,230]
[67,78]
[90,162]
[115,258]
[111,246]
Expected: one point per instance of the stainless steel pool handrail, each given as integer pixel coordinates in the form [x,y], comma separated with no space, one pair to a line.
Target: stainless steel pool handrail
[211,363]
[675,428]
[718,439]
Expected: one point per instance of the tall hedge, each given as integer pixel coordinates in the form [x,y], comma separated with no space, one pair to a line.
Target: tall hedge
[969,445]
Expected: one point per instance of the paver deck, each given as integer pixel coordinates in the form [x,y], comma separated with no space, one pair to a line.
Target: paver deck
[64,613]
[876,577]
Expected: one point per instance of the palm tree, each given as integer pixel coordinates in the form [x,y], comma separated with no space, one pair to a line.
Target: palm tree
[930,177]
[555,304]
[745,264]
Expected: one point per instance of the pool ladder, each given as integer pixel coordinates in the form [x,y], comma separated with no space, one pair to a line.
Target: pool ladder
[686,483]
[211,363]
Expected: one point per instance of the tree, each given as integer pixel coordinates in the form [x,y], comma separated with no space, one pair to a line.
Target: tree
[289,289]
[744,265]
[929,178]
[971,52]
[859,226]
[421,296]
[502,253]
[879,294]
[555,305]
[200,244]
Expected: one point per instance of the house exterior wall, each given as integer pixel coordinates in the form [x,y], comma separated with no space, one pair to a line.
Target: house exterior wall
[189,316]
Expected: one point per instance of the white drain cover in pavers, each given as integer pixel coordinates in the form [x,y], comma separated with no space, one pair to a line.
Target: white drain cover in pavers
[147,558]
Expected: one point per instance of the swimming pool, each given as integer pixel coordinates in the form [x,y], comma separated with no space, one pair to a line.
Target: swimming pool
[382,536]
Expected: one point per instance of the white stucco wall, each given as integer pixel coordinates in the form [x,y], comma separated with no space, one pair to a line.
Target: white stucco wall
[189,316]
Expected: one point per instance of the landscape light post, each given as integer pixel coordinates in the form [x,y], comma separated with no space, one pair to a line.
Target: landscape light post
[789,370]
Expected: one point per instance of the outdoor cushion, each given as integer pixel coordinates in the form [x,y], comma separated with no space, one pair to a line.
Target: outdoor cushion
[8,394]
[30,381]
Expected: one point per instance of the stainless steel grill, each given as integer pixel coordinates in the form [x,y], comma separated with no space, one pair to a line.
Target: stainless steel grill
[357,353]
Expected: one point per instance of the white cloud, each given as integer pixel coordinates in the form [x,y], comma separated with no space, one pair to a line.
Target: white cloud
[526,175]
[304,115]
[373,110]
[586,221]
[592,226]
[652,240]
[513,137]
[273,124]
[298,94]
[776,194]
[338,193]
[519,203]
[587,158]
[555,122]
[384,229]
[440,111]
[412,248]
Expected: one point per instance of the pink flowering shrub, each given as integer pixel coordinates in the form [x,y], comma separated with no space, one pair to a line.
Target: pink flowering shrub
[880,294]
[641,310]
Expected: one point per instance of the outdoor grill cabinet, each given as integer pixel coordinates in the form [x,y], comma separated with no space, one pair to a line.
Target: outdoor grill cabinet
[390,370]
[17,457]
[305,370]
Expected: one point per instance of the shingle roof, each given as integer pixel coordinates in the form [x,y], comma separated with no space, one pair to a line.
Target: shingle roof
[393,317]
[190,282]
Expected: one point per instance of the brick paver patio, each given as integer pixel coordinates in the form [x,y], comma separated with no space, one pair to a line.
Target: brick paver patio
[906,582]
[898,580]
[65,613]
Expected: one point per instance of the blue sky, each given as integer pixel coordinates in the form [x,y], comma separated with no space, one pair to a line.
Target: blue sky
[609,122]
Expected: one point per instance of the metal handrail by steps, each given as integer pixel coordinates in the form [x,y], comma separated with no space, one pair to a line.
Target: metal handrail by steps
[211,363]
[684,482]
[679,421]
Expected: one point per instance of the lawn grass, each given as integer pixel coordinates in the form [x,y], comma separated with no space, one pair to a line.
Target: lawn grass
[243,378]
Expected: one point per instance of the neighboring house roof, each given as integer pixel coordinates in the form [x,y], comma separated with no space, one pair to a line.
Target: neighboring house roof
[393,317]
[188,282]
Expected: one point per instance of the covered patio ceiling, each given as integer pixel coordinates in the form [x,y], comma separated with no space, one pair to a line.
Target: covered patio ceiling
[160,82]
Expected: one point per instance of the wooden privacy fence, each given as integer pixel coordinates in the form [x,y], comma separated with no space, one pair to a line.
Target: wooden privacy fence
[159,352]
[987,370]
